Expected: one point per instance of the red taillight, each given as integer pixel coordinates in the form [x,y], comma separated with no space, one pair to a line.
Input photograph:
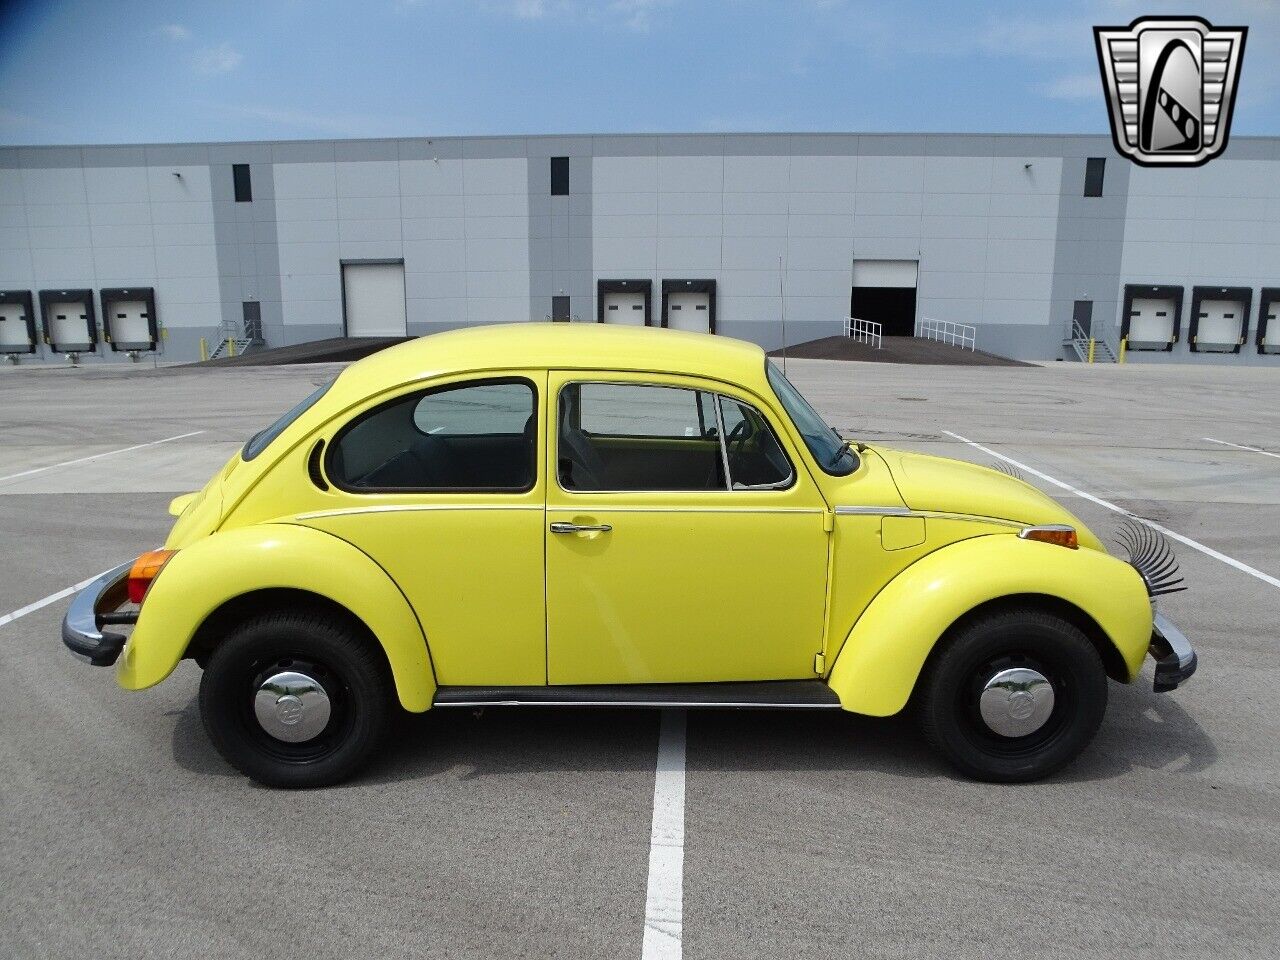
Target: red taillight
[144,570]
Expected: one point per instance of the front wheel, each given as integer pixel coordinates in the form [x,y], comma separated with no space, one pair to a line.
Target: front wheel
[1013,696]
[295,699]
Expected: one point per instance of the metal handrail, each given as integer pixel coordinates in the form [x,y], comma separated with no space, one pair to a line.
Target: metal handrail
[863,331]
[960,335]
[1087,344]
[230,338]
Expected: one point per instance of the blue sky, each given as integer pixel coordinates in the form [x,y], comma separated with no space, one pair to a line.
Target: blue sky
[120,71]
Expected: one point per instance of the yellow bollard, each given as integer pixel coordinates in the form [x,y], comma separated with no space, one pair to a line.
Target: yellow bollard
[231,348]
[204,349]
[1092,345]
[1124,345]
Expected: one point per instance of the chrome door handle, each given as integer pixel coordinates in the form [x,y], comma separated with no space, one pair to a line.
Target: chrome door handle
[559,527]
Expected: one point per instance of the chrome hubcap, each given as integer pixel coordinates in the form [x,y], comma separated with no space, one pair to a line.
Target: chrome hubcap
[292,706]
[1016,702]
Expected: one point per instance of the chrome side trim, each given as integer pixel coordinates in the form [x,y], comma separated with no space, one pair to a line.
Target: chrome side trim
[928,514]
[873,511]
[602,508]
[658,704]
[414,508]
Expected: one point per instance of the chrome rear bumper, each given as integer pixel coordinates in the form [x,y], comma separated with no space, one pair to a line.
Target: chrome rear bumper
[93,606]
[1174,656]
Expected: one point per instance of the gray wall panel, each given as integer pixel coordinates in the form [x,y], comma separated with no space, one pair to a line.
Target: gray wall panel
[1004,237]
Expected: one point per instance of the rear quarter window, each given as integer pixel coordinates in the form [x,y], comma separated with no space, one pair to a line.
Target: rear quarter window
[263,438]
[466,437]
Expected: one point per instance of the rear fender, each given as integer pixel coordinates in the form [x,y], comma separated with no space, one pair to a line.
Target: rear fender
[204,576]
[887,647]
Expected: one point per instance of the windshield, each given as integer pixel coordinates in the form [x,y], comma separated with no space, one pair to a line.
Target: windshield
[262,439]
[827,446]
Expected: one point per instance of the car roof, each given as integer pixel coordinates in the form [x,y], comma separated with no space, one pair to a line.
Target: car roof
[549,346]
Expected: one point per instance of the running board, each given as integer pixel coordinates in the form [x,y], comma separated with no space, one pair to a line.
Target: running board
[761,695]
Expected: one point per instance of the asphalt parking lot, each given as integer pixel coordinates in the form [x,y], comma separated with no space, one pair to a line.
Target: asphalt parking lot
[512,834]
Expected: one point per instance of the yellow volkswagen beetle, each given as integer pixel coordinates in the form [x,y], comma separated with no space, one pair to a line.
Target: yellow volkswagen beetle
[606,516]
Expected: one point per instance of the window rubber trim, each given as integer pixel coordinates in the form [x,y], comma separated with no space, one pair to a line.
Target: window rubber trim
[339,483]
[729,488]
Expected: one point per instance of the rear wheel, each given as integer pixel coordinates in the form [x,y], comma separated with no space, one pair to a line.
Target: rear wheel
[295,699]
[1013,696]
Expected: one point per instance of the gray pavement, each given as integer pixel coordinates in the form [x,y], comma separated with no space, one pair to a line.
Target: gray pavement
[123,834]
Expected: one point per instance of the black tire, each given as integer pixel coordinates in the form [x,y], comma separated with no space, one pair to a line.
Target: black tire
[352,672]
[948,697]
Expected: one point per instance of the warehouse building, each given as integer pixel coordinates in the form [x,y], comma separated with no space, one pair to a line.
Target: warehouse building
[115,253]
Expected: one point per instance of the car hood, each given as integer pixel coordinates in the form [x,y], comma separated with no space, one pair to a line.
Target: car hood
[953,486]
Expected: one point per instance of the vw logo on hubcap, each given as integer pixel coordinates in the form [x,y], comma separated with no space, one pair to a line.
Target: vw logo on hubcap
[292,706]
[1016,702]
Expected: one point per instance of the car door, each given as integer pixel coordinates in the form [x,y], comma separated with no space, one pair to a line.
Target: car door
[443,488]
[661,566]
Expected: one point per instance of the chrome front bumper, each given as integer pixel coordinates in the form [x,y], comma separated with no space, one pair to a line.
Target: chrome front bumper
[1175,659]
[93,607]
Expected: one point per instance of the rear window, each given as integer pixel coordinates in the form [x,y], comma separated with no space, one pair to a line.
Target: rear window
[465,437]
[262,439]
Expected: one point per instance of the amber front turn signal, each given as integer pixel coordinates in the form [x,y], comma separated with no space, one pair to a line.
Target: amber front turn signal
[144,570]
[1059,534]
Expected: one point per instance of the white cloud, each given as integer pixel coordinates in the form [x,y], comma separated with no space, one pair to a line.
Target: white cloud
[637,14]
[634,15]
[529,9]
[220,59]
[176,32]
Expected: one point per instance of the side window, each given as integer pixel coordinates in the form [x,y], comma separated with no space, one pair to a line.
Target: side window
[754,454]
[624,409]
[622,436]
[478,436]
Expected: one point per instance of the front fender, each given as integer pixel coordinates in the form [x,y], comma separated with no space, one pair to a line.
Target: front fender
[202,577]
[879,664]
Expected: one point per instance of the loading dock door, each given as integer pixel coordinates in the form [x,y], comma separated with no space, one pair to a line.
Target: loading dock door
[1151,323]
[1221,325]
[68,324]
[628,308]
[1269,320]
[884,291]
[689,311]
[15,333]
[129,323]
[373,296]
[129,317]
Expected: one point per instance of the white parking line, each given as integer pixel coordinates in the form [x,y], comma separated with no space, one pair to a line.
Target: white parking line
[51,598]
[98,456]
[1194,544]
[1241,446]
[664,905]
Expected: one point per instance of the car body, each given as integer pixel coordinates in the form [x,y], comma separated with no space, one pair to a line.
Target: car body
[584,514]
